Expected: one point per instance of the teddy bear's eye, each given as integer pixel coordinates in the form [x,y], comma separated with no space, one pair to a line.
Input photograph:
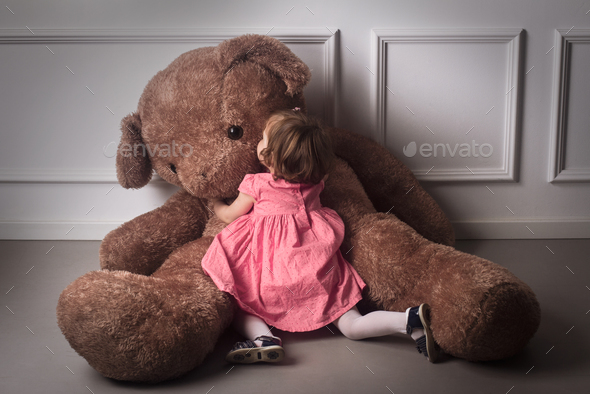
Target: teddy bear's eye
[172,168]
[235,132]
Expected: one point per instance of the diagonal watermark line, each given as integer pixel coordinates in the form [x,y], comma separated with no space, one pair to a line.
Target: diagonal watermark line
[530,370]
[70,230]
[10,289]
[369,230]
[470,170]
[330,30]
[509,209]
[27,27]
[269,31]
[333,266]
[349,49]
[490,109]
[549,349]
[269,270]
[30,270]
[410,110]
[529,70]
[549,249]
[90,210]
[529,229]
[109,190]
[424,174]
[490,190]
[346,253]
[10,10]
[310,310]
[394,205]
[330,330]
[70,70]
[209,390]
[109,110]
[569,330]
[310,289]
[550,49]
[70,370]
[370,369]
[50,50]
[290,10]
[509,90]
[410,190]
[229,370]
[390,90]
[9,309]
[289,310]
[389,390]
[349,349]
[90,90]
[215,85]
[50,350]
[309,10]
[90,390]
[430,130]
[510,389]
[569,269]
[369,70]
[469,130]
[30,330]
[569,30]
[290,290]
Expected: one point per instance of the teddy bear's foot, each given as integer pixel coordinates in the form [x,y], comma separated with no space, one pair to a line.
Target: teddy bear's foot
[480,310]
[137,328]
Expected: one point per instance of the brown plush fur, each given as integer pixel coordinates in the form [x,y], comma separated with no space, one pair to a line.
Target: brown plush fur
[150,314]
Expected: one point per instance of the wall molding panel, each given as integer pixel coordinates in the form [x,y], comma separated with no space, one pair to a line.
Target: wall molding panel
[565,40]
[327,37]
[512,40]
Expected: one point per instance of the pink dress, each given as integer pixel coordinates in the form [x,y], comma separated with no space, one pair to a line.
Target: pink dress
[281,261]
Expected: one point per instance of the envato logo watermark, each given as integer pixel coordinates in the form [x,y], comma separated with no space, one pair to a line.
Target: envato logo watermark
[160,150]
[436,150]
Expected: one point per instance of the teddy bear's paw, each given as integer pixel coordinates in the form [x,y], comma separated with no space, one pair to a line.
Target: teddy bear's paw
[137,328]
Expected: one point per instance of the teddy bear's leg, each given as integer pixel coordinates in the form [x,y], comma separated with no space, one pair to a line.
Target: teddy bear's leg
[391,186]
[480,311]
[146,328]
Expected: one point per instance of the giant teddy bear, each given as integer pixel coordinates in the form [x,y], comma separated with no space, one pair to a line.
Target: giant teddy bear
[150,314]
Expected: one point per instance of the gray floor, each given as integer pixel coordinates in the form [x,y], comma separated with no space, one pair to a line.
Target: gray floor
[36,358]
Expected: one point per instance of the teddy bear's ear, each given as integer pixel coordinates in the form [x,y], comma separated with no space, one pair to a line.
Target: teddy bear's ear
[134,169]
[268,52]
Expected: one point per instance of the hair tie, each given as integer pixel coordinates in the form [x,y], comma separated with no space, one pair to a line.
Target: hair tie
[296,109]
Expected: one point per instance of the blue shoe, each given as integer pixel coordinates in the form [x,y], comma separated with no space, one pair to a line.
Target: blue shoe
[419,317]
[248,352]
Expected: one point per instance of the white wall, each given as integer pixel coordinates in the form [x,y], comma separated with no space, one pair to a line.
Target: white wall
[396,71]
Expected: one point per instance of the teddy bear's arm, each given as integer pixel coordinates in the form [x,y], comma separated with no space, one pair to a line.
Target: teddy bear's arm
[143,243]
[391,186]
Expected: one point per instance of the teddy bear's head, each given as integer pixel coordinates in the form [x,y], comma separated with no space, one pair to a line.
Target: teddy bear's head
[199,120]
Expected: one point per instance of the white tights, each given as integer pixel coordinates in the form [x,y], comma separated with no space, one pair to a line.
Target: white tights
[352,324]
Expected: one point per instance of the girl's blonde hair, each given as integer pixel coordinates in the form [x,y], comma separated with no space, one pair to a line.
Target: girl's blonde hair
[299,148]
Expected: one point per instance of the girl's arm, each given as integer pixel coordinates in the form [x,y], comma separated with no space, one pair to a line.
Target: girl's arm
[229,213]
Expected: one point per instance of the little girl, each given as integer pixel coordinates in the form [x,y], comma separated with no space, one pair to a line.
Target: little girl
[281,262]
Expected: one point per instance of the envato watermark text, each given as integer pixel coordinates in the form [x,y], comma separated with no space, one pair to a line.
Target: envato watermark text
[436,150]
[140,149]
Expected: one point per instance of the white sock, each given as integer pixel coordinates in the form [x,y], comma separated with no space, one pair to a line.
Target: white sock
[251,326]
[374,324]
